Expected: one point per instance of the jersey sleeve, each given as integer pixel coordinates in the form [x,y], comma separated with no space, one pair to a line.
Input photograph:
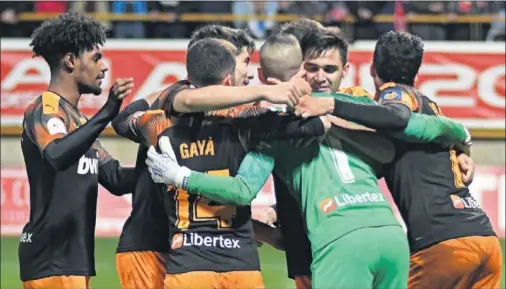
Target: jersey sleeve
[147,125]
[168,96]
[123,124]
[262,124]
[49,129]
[254,171]
[429,128]
[111,175]
[47,124]
[392,93]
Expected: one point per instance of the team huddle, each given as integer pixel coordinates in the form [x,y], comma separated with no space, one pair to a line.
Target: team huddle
[208,144]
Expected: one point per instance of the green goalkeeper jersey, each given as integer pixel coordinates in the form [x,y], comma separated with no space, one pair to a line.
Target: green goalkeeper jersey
[335,181]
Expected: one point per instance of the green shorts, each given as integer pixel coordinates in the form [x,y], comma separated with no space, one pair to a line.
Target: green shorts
[372,257]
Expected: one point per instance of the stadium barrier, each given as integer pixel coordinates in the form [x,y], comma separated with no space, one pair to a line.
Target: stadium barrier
[467,79]
[228,17]
[488,190]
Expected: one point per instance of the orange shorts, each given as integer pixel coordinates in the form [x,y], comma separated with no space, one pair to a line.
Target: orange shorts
[215,280]
[468,262]
[141,269]
[303,282]
[58,282]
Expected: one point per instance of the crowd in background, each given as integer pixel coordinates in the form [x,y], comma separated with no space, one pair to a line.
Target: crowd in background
[333,13]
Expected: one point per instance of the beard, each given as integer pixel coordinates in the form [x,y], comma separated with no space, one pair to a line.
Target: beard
[90,89]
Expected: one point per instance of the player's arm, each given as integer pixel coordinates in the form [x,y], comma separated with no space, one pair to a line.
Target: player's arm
[429,128]
[124,123]
[143,127]
[218,96]
[254,171]
[264,123]
[393,112]
[111,175]
[267,234]
[391,115]
[60,148]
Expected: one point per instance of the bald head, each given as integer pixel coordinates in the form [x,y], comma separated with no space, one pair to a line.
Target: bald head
[280,56]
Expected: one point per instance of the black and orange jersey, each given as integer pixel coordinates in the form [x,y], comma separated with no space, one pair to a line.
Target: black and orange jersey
[147,227]
[65,162]
[205,235]
[426,183]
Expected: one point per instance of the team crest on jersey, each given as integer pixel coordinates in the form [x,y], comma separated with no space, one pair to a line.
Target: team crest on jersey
[56,126]
[328,205]
[392,93]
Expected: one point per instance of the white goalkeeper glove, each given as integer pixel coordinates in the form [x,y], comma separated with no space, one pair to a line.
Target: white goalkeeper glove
[164,168]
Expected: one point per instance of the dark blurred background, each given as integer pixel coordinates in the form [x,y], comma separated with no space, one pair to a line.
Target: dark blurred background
[431,20]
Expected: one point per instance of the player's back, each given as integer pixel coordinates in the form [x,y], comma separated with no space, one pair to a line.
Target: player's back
[59,237]
[427,186]
[205,235]
[336,180]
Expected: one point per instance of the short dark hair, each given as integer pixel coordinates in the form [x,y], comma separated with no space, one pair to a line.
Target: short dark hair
[300,28]
[398,57]
[317,43]
[209,60]
[239,38]
[70,32]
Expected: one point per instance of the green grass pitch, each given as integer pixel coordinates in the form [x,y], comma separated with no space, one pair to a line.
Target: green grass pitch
[273,266]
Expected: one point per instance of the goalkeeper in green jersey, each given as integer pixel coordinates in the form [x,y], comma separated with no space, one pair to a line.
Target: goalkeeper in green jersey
[356,240]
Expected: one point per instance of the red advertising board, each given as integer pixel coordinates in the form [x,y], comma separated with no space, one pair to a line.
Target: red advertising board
[488,189]
[466,79]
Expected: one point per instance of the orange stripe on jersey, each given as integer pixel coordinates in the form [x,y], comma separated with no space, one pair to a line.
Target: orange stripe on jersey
[50,102]
[457,175]
[48,121]
[355,91]
[151,124]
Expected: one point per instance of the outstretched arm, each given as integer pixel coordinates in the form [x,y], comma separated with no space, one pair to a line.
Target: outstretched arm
[254,171]
[264,123]
[429,128]
[218,96]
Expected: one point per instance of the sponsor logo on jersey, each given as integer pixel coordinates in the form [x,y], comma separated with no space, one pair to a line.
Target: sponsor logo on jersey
[26,238]
[464,203]
[330,204]
[194,239]
[87,166]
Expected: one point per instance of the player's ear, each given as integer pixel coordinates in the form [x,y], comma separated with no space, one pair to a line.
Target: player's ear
[346,69]
[261,75]
[372,71]
[228,80]
[69,61]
